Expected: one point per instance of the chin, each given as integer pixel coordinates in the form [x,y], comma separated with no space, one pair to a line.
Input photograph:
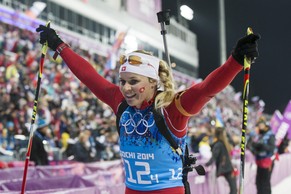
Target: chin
[132,102]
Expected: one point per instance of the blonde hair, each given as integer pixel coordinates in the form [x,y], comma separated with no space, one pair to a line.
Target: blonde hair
[165,97]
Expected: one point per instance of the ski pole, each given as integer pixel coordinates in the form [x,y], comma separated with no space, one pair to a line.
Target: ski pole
[247,67]
[34,112]
[164,19]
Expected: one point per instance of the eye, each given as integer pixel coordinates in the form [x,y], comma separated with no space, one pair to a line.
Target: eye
[122,82]
[133,82]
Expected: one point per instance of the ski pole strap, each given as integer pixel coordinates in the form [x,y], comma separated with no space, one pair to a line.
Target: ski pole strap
[163,129]
[60,48]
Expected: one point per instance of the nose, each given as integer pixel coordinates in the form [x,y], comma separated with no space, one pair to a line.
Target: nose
[127,87]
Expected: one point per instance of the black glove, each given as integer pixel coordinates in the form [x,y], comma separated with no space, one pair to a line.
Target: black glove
[49,35]
[246,46]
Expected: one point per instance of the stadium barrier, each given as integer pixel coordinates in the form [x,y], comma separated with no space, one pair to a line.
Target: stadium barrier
[65,177]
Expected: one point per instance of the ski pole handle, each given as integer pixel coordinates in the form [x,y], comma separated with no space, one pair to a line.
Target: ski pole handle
[248,61]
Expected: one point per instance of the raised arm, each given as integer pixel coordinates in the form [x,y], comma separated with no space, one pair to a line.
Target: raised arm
[193,99]
[104,90]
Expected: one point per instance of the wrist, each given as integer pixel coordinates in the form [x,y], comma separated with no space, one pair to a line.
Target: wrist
[59,49]
[238,58]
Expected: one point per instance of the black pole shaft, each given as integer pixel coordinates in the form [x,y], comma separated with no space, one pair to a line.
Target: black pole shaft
[164,32]
[164,19]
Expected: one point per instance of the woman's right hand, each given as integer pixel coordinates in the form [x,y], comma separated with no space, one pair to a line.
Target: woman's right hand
[50,36]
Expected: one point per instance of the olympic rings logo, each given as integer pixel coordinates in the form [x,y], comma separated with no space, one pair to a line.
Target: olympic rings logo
[137,122]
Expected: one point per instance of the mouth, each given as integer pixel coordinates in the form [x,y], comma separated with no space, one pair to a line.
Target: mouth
[130,96]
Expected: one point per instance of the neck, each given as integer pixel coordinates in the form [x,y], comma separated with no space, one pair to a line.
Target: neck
[147,103]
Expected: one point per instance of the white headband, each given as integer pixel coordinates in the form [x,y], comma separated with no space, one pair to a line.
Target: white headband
[148,68]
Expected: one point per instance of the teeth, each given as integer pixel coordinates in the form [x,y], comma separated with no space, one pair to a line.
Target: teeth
[130,96]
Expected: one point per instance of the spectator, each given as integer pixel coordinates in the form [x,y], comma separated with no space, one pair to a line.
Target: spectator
[221,149]
[263,147]
[283,147]
[10,141]
[39,150]
[82,148]
[204,147]
[3,132]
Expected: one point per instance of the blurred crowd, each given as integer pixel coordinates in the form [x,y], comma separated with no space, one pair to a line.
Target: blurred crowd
[80,127]
[71,111]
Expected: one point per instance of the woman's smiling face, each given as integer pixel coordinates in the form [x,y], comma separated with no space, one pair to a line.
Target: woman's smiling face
[136,88]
